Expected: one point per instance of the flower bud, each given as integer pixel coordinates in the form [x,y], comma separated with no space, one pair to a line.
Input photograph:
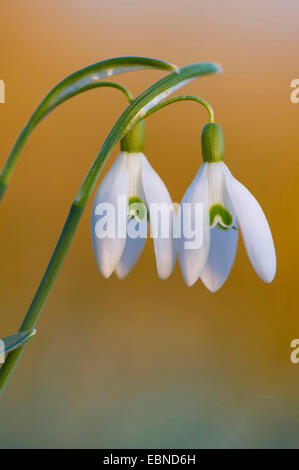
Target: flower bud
[212,142]
[133,141]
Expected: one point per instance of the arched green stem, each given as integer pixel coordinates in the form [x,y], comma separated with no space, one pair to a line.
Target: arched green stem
[116,85]
[176,99]
[12,159]
[82,80]
[129,117]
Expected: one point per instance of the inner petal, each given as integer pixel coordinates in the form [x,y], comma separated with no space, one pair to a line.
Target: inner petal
[220,215]
[220,207]
[137,203]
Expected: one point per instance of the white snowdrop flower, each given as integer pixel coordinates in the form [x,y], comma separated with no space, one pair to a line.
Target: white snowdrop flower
[131,196]
[227,205]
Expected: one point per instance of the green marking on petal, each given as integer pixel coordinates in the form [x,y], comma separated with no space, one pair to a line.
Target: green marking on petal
[137,208]
[134,199]
[219,210]
[222,227]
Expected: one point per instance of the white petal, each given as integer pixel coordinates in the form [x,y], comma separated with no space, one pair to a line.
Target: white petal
[134,163]
[130,256]
[254,226]
[223,247]
[162,221]
[108,251]
[192,260]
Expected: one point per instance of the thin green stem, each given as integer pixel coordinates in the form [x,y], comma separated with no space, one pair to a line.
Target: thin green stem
[84,79]
[176,99]
[129,117]
[3,188]
[13,156]
[44,288]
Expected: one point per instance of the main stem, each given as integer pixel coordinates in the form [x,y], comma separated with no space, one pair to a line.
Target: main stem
[59,254]
[49,277]
[77,208]
[44,288]
[60,251]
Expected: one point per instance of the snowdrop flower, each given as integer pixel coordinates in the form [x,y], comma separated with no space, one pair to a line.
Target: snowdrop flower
[128,199]
[227,205]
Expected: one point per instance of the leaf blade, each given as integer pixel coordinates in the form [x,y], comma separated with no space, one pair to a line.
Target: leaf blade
[81,79]
[9,343]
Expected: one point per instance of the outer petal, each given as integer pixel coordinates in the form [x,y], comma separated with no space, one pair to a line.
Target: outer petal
[254,226]
[130,256]
[223,247]
[163,223]
[192,260]
[108,251]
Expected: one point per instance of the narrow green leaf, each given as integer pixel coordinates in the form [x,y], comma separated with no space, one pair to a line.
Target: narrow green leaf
[82,79]
[15,341]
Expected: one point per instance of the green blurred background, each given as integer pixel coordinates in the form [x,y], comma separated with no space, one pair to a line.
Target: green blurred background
[144,362]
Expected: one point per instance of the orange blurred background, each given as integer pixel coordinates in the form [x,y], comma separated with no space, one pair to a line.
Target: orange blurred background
[144,362]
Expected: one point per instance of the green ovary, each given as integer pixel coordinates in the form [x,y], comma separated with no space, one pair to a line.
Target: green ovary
[217,210]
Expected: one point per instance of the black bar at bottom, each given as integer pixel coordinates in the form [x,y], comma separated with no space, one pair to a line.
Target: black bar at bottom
[136,458]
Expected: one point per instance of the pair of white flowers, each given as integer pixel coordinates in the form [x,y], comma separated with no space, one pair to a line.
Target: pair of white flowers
[227,206]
